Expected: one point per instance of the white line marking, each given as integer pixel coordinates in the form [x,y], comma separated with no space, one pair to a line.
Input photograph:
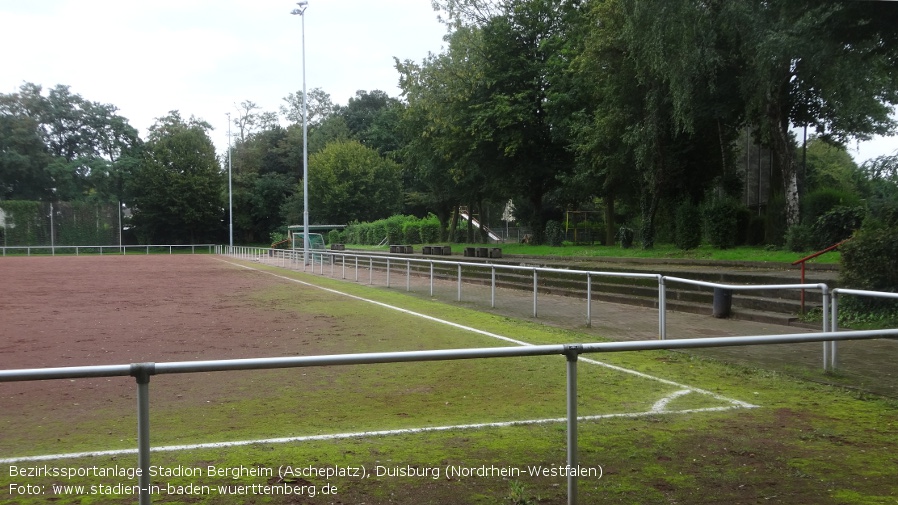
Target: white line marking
[661,405]
[500,337]
[361,434]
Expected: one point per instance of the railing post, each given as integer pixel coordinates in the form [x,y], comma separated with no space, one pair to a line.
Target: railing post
[534,291]
[408,275]
[142,372]
[370,271]
[493,287]
[572,353]
[343,266]
[388,272]
[829,347]
[431,278]
[459,281]
[834,325]
[662,308]
[588,300]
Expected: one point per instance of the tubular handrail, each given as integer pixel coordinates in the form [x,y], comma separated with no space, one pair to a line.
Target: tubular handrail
[834,317]
[818,253]
[142,372]
[804,260]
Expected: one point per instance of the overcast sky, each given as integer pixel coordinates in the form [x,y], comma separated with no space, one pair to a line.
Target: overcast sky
[202,57]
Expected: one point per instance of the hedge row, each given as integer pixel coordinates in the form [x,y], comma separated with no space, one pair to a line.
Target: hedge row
[396,230]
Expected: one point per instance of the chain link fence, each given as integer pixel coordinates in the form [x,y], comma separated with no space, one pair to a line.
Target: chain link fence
[30,223]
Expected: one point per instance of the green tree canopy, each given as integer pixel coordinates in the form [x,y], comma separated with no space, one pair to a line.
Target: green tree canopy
[175,192]
[348,182]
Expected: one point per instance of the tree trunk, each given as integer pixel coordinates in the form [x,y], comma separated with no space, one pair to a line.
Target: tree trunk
[484,237]
[453,224]
[649,211]
[537,221]
[609,219]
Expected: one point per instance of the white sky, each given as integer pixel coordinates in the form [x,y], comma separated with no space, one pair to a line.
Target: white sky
[202,57]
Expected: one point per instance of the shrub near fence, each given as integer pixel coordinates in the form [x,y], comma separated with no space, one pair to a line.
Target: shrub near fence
[396,229]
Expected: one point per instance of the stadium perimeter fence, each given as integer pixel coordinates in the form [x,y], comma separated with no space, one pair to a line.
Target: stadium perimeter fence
[78,250]
[351,264]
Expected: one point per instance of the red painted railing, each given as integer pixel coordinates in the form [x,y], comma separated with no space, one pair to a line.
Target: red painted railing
[812,256]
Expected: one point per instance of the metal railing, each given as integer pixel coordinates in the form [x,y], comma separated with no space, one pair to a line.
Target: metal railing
[291,259]
[77,250]
[142,372]
[831,349]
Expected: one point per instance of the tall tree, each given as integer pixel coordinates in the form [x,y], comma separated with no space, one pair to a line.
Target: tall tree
[175,193]
[348,181]
[84,141]
[319,106]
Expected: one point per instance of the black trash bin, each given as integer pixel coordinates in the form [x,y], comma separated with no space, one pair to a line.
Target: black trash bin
[723,302]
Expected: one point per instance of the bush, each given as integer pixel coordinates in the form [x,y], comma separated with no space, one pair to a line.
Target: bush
[430,229]
[411,232]
[377,232]
[837,225]
[818,203]
[688,225]
[870,262]
[333,237]
[800,238]
[721,219]
[393,228]
[554,234]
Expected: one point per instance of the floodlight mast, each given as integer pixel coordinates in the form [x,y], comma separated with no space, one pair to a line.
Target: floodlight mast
[230,190]
[305,150]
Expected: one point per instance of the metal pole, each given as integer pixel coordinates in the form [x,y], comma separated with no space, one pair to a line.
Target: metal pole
[142,372]
[431,278]
[52,240]
[230,189]
[408,275]
[305,147]
[572,352]
[459,282]
[534,291]
[388,272]
[662,309]
[588,300]
[493,288]
[119,226]
[834,326]
[831,345]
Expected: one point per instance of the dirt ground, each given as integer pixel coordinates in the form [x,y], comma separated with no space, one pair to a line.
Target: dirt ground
[129,309]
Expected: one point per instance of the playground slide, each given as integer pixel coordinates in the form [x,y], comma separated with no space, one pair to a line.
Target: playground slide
[464,213]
